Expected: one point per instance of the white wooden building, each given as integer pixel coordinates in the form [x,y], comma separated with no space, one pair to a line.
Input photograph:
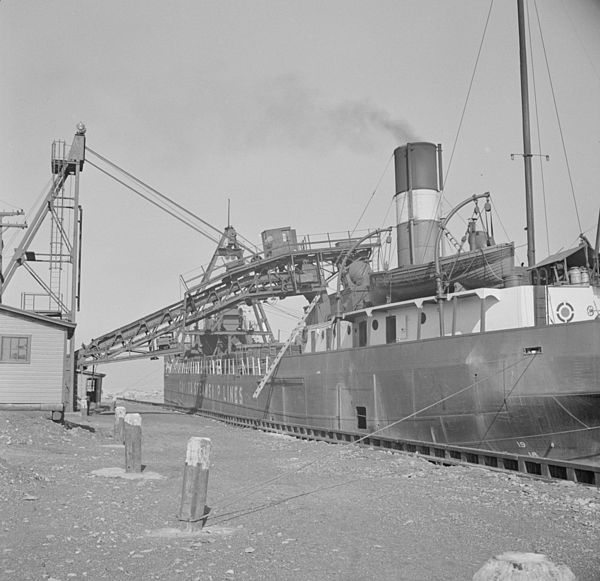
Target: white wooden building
[32,360]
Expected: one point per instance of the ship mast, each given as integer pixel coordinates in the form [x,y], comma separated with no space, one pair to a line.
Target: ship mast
[526,136]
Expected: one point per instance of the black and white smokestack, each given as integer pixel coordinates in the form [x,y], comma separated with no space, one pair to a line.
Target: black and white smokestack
[418,171]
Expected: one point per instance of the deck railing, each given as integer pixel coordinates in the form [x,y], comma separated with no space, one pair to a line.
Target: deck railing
[236,365]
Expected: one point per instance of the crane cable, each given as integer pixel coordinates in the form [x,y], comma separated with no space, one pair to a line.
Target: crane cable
[153,202]
[165,198]
[154,191]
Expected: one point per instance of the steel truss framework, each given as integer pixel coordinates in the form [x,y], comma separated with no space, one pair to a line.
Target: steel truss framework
[250,281]
[60,288]
[64,213]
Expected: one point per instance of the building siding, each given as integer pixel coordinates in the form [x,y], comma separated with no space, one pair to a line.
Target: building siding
[41,380]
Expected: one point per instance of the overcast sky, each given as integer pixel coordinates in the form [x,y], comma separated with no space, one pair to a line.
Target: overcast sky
[290,109]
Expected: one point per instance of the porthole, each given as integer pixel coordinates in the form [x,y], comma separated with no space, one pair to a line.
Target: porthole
[375,324]
[423,318]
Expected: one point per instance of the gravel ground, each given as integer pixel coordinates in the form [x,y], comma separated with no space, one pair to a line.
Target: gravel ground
[281,508]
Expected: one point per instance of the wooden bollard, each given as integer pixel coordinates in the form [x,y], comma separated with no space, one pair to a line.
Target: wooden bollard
[119,433]
[195,480]
[133,442]
[523,567]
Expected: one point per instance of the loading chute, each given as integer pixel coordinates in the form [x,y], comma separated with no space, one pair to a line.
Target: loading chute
[247,280]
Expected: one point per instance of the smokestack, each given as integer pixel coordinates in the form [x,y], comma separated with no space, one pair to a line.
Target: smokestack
[418,194]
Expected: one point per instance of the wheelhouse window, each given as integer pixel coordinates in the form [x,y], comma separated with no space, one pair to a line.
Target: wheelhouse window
[14,349]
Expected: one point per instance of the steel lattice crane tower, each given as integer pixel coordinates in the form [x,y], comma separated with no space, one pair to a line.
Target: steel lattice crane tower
[3,226]
[59,287]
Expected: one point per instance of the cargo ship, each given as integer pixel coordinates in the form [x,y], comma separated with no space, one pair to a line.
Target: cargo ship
[465,349]
[454,343]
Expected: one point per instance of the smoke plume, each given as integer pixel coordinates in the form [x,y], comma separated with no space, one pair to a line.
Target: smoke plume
[284,112]
[364,119]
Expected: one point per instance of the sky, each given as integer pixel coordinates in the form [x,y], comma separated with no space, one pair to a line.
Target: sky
[290,110]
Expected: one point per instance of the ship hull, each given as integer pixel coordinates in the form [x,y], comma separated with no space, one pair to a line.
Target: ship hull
[529,391]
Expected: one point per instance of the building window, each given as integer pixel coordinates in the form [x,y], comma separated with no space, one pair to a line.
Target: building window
[14,349]
[390,329]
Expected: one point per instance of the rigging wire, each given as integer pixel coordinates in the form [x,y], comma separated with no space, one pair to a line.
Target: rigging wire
[539,133]
[508,238]
[587,54]
[468,94]
[504,401]
[9,204]
[373,194]
[387,252]
[387,213]
[462,116]
[281,311]
[562,137]
[523,436]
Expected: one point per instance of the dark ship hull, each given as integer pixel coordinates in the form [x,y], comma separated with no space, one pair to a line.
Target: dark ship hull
[529,391]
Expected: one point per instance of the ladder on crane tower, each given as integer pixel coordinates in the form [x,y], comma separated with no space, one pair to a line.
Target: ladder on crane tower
[57,233]
[285,346]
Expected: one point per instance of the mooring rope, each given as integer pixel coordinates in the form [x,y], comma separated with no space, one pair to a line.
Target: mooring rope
[504,401]
[244,493]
